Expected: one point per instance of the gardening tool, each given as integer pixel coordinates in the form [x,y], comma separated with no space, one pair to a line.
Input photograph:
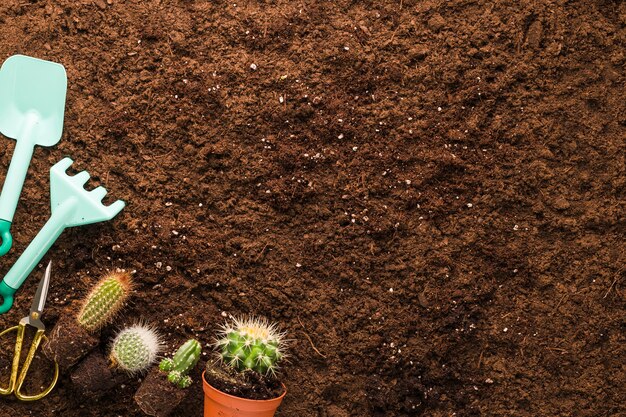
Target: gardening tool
[33,320]
[72,205]
[32,104]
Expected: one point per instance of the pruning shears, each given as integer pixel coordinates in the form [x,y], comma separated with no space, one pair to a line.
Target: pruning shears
[34,320]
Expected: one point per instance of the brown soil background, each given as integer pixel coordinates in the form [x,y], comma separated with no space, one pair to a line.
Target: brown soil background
[467,154]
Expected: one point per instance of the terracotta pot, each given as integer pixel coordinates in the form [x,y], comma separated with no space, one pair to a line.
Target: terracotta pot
[219,404]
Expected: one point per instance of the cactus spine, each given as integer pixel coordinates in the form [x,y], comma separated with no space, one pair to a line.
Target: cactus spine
[104,301]
[135,348]
[251,343]
[183,361]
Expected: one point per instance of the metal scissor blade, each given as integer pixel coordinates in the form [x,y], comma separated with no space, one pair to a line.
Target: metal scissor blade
[42,292]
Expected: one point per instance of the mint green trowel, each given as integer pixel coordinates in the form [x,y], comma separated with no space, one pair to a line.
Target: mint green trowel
[71,206]
[32,104]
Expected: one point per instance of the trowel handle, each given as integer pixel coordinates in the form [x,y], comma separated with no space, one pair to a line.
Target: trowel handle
[35,251]
[12,189]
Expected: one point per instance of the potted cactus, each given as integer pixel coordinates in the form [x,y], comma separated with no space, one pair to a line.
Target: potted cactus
[133,350]
[165,386]
[75,335]
[242,380]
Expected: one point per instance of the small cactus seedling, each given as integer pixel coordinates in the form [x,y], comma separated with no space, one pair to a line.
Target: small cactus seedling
[251,343]
[135,348]
[104,301]
[183,361]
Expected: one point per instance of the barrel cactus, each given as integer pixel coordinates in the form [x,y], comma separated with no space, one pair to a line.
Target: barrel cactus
[183,361]
[135,348]
[104,301]
[251,343]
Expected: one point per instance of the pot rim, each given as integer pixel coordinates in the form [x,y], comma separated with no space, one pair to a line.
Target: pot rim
[204,381]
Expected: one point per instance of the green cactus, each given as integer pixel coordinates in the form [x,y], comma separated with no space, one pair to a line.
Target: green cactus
[104,301]
[135,348]
[251,343]
[183,361]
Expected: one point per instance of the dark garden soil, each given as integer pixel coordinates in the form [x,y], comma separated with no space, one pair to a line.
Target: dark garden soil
[429,195]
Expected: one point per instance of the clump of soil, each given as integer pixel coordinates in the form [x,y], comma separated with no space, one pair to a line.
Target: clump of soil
[93,377]
[247,384]
[69,342]
[157,396]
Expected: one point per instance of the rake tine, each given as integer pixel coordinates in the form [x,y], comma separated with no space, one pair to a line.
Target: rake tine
[99,192]
[62,166]
[115,208]
[81,178]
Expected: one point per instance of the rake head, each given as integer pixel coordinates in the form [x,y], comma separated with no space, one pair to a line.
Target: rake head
[88,204]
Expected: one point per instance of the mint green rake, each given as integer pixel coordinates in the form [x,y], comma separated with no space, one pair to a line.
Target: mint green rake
[72,205]
[32,106]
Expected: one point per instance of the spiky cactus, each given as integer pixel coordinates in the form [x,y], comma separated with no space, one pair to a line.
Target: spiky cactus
[104,301]
[135,348]
[183,361]
[251,343]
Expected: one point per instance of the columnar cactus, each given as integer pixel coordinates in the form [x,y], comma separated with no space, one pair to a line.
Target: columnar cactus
[183,361]
[251,343]
[135,348]
[104,301]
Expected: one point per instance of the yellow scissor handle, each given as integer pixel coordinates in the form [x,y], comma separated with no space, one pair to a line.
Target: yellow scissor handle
[16,359]
[15,383]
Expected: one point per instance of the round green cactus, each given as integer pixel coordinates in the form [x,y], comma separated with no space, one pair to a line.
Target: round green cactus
[251,343]
[104,301]
[183,361]
[135,348]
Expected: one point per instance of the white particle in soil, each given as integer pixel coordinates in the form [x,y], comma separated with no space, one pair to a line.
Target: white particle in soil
[470,205]
[516,227]
[438,108]
[253,67]
[168,268]
[390,289]
[298,265]
[175,232]
[355,148]
[159,264]
[340,136]
[168,203]
[224,314]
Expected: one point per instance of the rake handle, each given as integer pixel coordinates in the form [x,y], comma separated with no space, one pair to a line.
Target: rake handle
[35,251]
